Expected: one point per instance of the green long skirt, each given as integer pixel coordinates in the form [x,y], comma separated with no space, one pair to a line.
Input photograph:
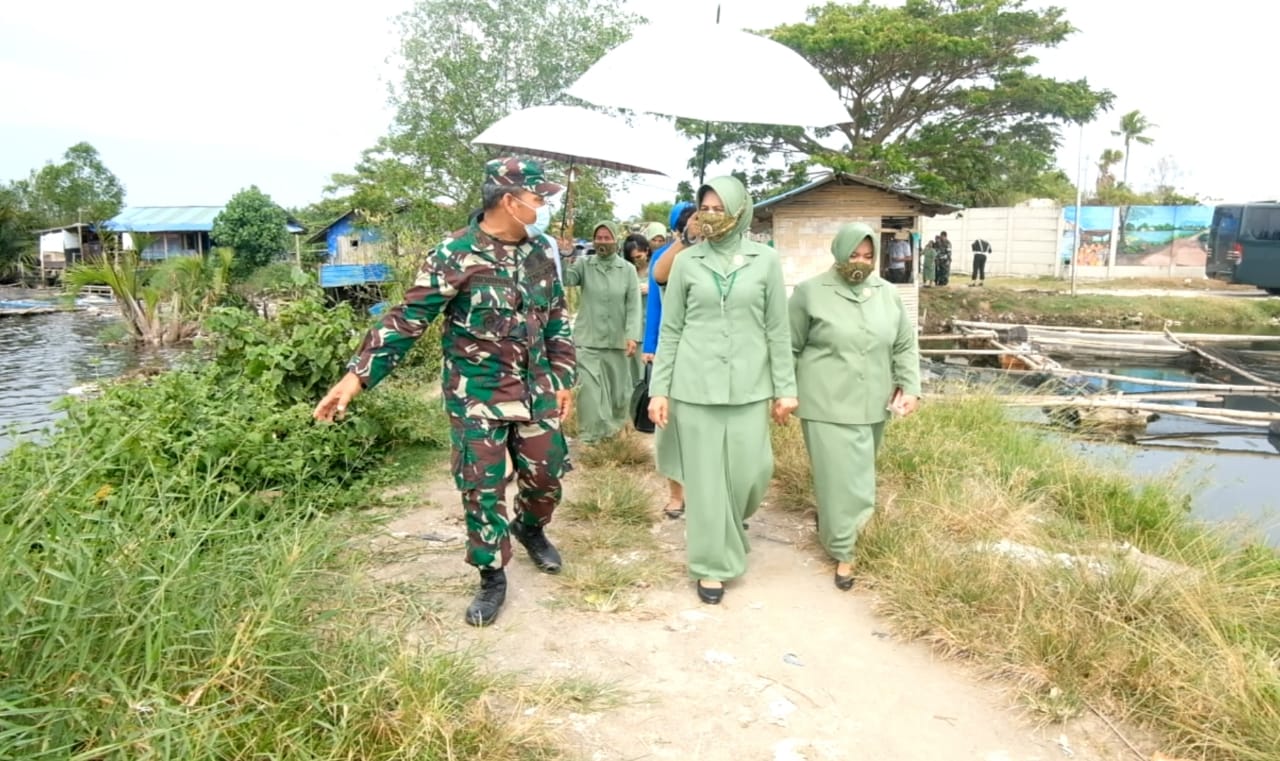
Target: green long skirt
[726,461]
[843,458]
[604,393]
[666,450]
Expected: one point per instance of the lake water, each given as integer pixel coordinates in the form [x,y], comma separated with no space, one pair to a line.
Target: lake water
[1228,470]
[45,356]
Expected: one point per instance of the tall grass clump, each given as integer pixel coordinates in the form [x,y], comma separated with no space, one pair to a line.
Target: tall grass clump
[609,530]
[1091,591]
[178,583]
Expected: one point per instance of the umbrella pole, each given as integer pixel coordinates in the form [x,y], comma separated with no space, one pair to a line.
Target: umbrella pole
[706,134]
[566,221]
[702,165]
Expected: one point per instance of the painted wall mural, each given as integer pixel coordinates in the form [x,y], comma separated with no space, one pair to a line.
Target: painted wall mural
[1137,236]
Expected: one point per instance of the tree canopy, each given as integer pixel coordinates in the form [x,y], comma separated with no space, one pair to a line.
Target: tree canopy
[80,188]
[466,64]
[254,226]
[941,98]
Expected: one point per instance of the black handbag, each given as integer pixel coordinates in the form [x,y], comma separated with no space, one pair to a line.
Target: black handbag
[640,402]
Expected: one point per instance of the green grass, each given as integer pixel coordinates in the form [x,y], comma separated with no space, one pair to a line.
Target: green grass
[180,581]
[609,531]
[1183,636]
[1000,304]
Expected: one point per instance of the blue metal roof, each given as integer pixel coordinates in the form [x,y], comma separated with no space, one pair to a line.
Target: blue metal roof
[173,219]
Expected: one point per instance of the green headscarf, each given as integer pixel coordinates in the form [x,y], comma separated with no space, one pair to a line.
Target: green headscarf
[737,204]
[848,237]
[613,228]
[654,230]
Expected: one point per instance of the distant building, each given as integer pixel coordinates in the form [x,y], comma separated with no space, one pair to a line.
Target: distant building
[175,230]
[60,247]
[354,252]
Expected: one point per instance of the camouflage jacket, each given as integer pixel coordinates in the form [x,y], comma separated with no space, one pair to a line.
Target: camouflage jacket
[506,341]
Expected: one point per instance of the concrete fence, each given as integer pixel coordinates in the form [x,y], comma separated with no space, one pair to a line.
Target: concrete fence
[1038,239]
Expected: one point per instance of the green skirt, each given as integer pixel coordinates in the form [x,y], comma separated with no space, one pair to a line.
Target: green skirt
[843,458]
[726,462]
[604,392]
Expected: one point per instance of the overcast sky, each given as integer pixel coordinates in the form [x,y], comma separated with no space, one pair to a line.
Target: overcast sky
[189,103]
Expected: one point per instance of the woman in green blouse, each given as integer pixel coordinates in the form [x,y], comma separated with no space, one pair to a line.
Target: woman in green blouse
[857,362]
[606,333]
[724,356]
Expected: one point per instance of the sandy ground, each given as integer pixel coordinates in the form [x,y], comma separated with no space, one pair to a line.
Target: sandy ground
[1187,252]
[787,668]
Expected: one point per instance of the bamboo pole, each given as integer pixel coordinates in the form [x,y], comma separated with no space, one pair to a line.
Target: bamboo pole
[1204,337]
[1243,373]
[1222,388]
[1051,400]
[965,352]
[1235,417]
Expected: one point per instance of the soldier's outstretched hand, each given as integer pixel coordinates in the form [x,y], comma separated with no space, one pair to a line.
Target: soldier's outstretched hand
[335,402]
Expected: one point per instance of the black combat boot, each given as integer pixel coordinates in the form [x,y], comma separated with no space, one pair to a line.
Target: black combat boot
[541,551]
[488,601]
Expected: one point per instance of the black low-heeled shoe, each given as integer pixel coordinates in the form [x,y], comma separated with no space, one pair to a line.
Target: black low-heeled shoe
[710,596]
[844,583]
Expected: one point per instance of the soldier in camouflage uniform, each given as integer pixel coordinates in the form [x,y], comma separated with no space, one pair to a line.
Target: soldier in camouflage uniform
[509,367]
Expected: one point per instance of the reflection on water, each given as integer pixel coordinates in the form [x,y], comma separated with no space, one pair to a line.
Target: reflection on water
[44,356]
[1231,483]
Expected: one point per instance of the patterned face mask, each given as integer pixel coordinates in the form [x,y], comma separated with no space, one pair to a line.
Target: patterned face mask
[714,225]
[606,249]
[855,272]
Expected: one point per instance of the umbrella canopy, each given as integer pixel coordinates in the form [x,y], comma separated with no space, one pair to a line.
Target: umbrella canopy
[766,83]
[575,135]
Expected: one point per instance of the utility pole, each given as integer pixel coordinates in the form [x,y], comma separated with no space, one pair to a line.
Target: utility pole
[1075,243]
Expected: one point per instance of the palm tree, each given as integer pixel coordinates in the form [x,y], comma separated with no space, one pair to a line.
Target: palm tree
[1109,158]
[163,304]
[1133,127]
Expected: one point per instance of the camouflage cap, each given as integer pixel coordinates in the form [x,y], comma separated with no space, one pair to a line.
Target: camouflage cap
[522,173]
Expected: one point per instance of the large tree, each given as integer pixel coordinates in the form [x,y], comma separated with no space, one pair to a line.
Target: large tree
[941,98]
[254,226]
[80,188]
[466,64]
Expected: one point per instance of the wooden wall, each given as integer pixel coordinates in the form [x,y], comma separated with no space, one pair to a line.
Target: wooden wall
[804,226]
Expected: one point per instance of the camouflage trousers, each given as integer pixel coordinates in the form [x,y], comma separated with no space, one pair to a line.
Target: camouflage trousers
[480,450]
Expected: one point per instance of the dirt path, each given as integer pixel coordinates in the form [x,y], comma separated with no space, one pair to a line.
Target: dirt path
[1186,252]
[787,668]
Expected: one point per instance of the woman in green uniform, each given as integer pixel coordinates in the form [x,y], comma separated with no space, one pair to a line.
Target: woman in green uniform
[606,332]
[724,356]
[857,362]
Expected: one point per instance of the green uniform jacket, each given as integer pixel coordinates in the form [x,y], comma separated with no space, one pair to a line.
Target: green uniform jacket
[853,346]
[507,342]
[609,307]
[731,351]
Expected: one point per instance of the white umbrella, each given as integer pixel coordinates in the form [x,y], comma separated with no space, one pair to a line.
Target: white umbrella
[748,79]
[574,135]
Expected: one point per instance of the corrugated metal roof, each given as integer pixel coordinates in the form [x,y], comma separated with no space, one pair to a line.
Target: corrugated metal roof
[174,219]
[929,206]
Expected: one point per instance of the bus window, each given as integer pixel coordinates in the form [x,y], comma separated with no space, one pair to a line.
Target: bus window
[1262,223]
